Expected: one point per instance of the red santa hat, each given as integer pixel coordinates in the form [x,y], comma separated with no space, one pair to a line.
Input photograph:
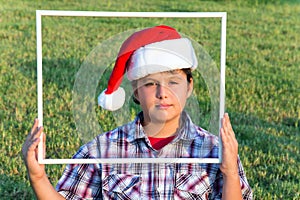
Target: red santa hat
[145,52]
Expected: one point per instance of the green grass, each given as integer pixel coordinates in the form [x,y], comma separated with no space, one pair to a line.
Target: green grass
[262,81]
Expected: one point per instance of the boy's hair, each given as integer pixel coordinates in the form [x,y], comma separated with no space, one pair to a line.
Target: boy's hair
[187,71]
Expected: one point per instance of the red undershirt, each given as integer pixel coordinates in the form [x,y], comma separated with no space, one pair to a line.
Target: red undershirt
[158,143]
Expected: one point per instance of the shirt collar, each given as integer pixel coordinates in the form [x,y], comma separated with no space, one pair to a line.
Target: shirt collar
[187,130]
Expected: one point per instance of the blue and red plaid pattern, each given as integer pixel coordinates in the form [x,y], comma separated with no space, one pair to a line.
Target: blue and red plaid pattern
[148,181]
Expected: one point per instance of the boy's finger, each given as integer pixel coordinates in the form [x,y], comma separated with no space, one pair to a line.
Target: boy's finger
[44,149]
[224,125]
[34,126]
[36,135]
[34,143]
[228,122]
[227,125]
[34,130]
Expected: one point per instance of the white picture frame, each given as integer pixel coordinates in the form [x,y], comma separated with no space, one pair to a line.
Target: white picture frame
[41,13]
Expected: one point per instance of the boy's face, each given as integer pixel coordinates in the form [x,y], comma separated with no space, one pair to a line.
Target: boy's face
[162,96]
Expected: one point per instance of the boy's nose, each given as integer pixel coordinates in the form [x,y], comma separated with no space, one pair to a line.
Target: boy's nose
[161,92]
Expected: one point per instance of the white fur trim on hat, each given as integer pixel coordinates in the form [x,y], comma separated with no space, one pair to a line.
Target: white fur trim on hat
[112,101]
[162,56]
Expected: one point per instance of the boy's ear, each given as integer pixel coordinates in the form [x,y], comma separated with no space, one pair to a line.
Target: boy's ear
[190,88]
[135,95]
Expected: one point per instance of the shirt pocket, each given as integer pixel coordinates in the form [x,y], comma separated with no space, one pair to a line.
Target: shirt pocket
[192,186]
[122,186]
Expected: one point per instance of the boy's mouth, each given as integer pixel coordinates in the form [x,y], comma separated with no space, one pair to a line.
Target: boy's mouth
[163,106]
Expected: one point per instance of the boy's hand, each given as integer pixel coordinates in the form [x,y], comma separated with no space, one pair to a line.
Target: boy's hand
[229,166]
[35,170]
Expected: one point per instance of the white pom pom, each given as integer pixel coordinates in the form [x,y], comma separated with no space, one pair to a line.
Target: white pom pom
[112,101]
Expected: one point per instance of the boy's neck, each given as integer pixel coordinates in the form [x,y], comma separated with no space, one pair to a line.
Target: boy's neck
[161,130]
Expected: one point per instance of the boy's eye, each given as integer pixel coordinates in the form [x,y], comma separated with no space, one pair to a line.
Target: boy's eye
[148,84]
[173,82]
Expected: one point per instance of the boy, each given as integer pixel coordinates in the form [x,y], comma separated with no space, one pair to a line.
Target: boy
[158,62]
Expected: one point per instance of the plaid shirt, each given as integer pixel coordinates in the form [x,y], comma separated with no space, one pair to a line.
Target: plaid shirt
[148,181]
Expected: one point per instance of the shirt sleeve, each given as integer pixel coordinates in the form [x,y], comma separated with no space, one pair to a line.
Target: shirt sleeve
[81,181]
[245,187]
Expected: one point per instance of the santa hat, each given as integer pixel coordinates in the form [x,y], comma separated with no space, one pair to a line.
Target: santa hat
[145,52]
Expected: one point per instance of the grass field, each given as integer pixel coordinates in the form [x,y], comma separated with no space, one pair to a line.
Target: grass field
[262,81]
